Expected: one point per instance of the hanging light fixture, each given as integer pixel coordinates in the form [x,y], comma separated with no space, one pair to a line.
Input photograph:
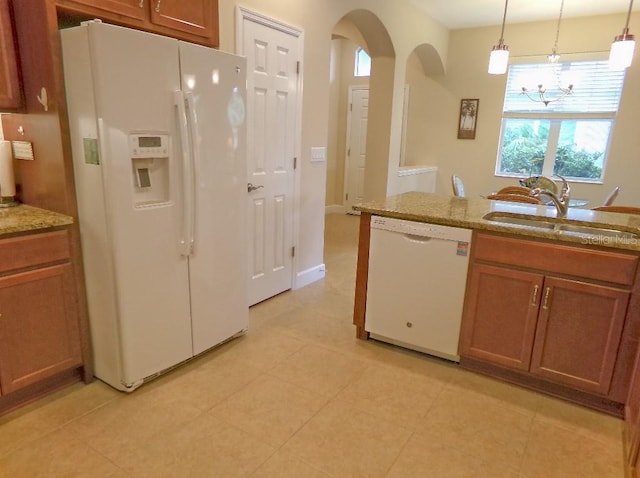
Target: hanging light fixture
[500,52]
[559,92]
[621,53]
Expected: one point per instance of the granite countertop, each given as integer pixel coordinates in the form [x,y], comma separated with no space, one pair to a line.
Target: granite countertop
[469,213]
[23,218]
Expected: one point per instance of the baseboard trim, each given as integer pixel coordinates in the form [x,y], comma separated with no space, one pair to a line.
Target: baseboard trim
[309,276]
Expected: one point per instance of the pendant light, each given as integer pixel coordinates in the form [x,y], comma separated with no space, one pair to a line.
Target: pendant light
[500,52]
[622,47]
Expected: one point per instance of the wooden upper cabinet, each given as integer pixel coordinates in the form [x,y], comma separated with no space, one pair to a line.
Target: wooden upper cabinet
[198,17]
[129,8]
[189,20]
[10,87]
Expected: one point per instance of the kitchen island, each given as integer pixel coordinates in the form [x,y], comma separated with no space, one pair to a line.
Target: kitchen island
[551,303]
[41,347]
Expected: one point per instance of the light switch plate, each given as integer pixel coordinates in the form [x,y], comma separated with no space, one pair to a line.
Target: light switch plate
[318,154]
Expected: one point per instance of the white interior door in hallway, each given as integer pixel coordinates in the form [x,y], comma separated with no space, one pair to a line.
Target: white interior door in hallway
[356,146]
[273,82]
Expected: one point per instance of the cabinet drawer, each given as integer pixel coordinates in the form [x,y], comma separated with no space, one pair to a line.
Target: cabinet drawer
[32,250]
[613,267]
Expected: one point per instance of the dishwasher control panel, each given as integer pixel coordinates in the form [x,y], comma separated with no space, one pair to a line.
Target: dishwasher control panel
[422,229]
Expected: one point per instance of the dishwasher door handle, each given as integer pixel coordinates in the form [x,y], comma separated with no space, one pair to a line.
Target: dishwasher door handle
[417,238]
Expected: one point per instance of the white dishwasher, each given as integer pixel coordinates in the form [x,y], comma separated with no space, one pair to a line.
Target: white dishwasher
[416,285]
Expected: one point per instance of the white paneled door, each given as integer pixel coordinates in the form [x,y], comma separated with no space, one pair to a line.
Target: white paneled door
[356,147]
[272,89]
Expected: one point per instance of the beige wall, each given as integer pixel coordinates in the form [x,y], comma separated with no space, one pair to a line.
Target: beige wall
[466,77]
[418,135]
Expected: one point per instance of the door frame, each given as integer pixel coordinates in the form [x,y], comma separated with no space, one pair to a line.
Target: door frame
[347,156]
[243,14]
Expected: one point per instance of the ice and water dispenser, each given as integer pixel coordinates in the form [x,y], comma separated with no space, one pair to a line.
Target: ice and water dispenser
[150,168]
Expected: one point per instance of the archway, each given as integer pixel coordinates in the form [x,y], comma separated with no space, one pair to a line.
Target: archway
[360,28]
[422,66]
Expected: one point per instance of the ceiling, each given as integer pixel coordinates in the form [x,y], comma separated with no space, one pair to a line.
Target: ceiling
[489,12]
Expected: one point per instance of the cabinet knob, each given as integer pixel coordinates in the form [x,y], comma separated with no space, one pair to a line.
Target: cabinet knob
[409,324]
[158,6]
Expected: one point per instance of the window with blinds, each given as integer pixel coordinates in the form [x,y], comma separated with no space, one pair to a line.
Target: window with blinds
[568,136]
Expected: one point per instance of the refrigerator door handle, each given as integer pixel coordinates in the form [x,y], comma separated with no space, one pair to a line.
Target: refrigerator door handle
[192,119]
[186,226]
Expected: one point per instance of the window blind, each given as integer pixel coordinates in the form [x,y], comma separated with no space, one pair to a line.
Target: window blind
[596,88]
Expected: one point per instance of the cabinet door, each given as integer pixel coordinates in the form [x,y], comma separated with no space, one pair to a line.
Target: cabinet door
[500,315]
[128,8]
[198,17]
[39,334]
[10,96]
[632,417]
[578,333]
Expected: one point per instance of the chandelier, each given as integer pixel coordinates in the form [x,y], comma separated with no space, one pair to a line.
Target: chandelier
[557,91]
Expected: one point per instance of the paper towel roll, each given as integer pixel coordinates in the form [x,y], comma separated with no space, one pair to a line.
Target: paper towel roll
[7,179]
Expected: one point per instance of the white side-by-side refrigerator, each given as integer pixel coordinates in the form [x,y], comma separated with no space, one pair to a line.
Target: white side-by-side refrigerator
[158,141]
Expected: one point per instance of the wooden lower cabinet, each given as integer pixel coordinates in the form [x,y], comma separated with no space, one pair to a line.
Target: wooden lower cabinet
[535,327]
[632,419]
[501,313]
[578,333]
[40,337]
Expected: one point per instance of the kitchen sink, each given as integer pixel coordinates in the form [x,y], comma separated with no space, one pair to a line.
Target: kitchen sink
[595,231]
[562,226]
[534,221]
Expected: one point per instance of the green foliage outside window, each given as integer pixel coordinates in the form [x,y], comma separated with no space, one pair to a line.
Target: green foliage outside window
[524,147]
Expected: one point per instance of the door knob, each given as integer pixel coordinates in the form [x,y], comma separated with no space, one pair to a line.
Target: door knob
[251,187]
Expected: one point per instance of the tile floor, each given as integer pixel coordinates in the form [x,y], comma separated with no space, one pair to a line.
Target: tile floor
[299,396]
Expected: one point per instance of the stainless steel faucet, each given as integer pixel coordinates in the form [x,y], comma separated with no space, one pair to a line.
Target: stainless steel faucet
[562,202]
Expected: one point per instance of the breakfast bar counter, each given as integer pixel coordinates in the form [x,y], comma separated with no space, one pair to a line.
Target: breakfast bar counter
[485,215]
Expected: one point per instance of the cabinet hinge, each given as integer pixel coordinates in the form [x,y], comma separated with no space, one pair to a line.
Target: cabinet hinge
[293,251]
[295,163]
[346,197]
[349,152]
[297,67]
[350,106]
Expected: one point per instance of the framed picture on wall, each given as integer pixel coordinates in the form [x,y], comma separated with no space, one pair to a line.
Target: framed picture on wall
[468,118]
